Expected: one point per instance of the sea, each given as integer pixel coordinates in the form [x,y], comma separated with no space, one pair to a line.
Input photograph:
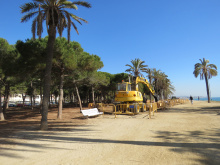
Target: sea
[206,98]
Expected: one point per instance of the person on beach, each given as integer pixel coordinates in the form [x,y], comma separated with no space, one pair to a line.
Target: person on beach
[191,99]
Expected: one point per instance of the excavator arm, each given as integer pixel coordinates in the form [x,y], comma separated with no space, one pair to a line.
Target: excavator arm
[144,81]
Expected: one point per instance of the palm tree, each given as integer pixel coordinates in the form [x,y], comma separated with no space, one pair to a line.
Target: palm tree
[167,87]
[162,85]
[57,19]
[137,67]
[206,71]
[156,77]
[149,71]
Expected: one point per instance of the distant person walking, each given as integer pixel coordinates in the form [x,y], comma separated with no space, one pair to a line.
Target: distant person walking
[191,99]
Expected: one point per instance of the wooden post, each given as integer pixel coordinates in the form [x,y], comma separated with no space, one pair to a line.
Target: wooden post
[153,108]
[115,111]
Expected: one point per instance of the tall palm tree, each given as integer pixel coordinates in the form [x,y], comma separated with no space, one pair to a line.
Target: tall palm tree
[162,85]
[167,88]
[149,71]
[206,71]
[57,19]
[137,67]
[156,78]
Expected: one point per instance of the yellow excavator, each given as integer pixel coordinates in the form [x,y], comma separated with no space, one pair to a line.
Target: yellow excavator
[129,92]
[128,98]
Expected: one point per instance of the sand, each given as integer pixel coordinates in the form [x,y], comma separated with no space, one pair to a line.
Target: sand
[183,134]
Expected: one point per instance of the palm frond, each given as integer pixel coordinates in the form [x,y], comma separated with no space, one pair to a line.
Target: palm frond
[213,72]
[78,18]
[33,28]
[39,26]
[128,70]
[75,28]
[212,66]
[60,2]
[196,72]
[128,65]
[82,3]
[39,1]
[68,24]
[28,16]
[62,23]
[28,7]
[47,15]
[68,4]
[74,17]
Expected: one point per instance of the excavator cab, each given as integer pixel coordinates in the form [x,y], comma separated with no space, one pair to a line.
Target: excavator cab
[124,86]
[126,92]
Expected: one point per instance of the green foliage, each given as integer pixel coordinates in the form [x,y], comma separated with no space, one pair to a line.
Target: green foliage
[89,62]
[162,85]
[32,57]
[65,53]
[54,12]
[137,67]
[8,56]
[205,69]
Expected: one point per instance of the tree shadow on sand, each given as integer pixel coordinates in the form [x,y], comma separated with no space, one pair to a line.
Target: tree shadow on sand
[205,144]
[199,110]
[190,141]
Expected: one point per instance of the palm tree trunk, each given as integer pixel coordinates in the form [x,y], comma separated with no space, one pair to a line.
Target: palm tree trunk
[207,88]
[59,115]
[47,76]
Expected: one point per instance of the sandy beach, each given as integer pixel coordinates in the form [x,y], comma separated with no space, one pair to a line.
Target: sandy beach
[180,135]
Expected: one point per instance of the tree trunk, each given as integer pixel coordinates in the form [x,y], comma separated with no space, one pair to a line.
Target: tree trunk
[5,105]
[207,88]
[93,96]
[77,91]
[31,95]
[23,97]
[150,79]
[51,97]
[59,115]
[1,112]
[41,99]
[71,97]
[47,76]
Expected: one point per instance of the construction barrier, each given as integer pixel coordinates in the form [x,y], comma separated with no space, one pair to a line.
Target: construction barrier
[135,108]
[151,107]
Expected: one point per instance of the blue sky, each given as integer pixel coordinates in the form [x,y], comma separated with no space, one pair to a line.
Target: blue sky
[170,35]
